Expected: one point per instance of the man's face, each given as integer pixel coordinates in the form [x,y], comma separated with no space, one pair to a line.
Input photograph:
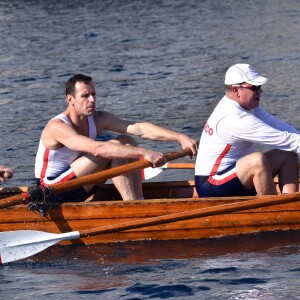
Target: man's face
[248,98]
[84,100]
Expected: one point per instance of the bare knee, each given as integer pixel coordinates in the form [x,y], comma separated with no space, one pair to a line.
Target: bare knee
[283,155]
[252,165]
[254,170]
[259,161]
[283,160]
[293,157]
[291,163]
[125,140]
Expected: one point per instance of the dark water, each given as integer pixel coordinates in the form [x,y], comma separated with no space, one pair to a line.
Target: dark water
[264,266]
[160,61]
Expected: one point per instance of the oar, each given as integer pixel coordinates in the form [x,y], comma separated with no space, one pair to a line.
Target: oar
[149,173]
[89,179]
[16,245]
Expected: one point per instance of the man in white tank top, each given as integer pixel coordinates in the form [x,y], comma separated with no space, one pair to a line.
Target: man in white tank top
[227,163]
[68,148]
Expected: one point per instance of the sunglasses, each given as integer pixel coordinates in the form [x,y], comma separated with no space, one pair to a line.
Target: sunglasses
[248,86]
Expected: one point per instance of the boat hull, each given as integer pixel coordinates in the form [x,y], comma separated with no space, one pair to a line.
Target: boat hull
[163,199]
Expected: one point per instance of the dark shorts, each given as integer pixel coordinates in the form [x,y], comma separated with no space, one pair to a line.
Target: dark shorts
[75,195]
[223,184]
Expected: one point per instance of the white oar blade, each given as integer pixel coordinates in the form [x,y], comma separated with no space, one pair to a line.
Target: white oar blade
[16,245]
[149,173]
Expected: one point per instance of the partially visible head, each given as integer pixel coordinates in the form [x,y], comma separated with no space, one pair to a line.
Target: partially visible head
[70,85]
[243,73]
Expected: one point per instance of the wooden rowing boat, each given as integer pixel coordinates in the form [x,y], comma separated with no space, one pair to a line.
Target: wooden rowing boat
[162,198]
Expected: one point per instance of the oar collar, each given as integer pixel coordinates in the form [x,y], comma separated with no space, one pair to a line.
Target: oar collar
[40,199]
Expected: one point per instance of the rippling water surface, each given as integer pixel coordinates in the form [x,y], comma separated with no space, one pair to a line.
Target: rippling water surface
[264,266]
[161,61]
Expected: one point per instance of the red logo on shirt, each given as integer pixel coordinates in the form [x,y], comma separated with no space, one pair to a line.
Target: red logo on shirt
[208,129]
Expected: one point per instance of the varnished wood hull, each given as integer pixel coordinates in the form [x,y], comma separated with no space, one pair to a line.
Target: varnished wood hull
[162,199]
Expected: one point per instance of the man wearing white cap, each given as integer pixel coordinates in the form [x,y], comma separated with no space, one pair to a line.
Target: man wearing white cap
[227,163]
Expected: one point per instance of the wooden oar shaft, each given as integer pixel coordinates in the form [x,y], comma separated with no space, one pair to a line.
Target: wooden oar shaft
[181,165]
[198,213]
[101,176]
[12,201]
[114,172]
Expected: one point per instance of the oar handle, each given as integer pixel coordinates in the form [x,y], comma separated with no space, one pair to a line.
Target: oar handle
[114,172]
[178,154]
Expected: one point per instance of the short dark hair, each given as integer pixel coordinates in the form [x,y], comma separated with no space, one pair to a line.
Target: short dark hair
[70,85]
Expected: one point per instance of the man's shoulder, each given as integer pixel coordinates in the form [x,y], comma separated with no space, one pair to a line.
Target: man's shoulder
[59,122]
[104,119]
[226,107]
[104,115]
[101,113]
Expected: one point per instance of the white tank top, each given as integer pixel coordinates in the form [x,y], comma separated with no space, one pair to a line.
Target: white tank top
[51,163]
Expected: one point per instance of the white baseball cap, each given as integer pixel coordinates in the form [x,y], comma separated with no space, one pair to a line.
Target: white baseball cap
[243,73]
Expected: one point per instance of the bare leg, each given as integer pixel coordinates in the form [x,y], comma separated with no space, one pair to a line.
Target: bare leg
[254,170]
[87,165]
[138,184]
[286,165]
[129,185]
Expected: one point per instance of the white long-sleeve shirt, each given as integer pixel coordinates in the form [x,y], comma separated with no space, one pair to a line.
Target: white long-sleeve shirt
[231,132]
